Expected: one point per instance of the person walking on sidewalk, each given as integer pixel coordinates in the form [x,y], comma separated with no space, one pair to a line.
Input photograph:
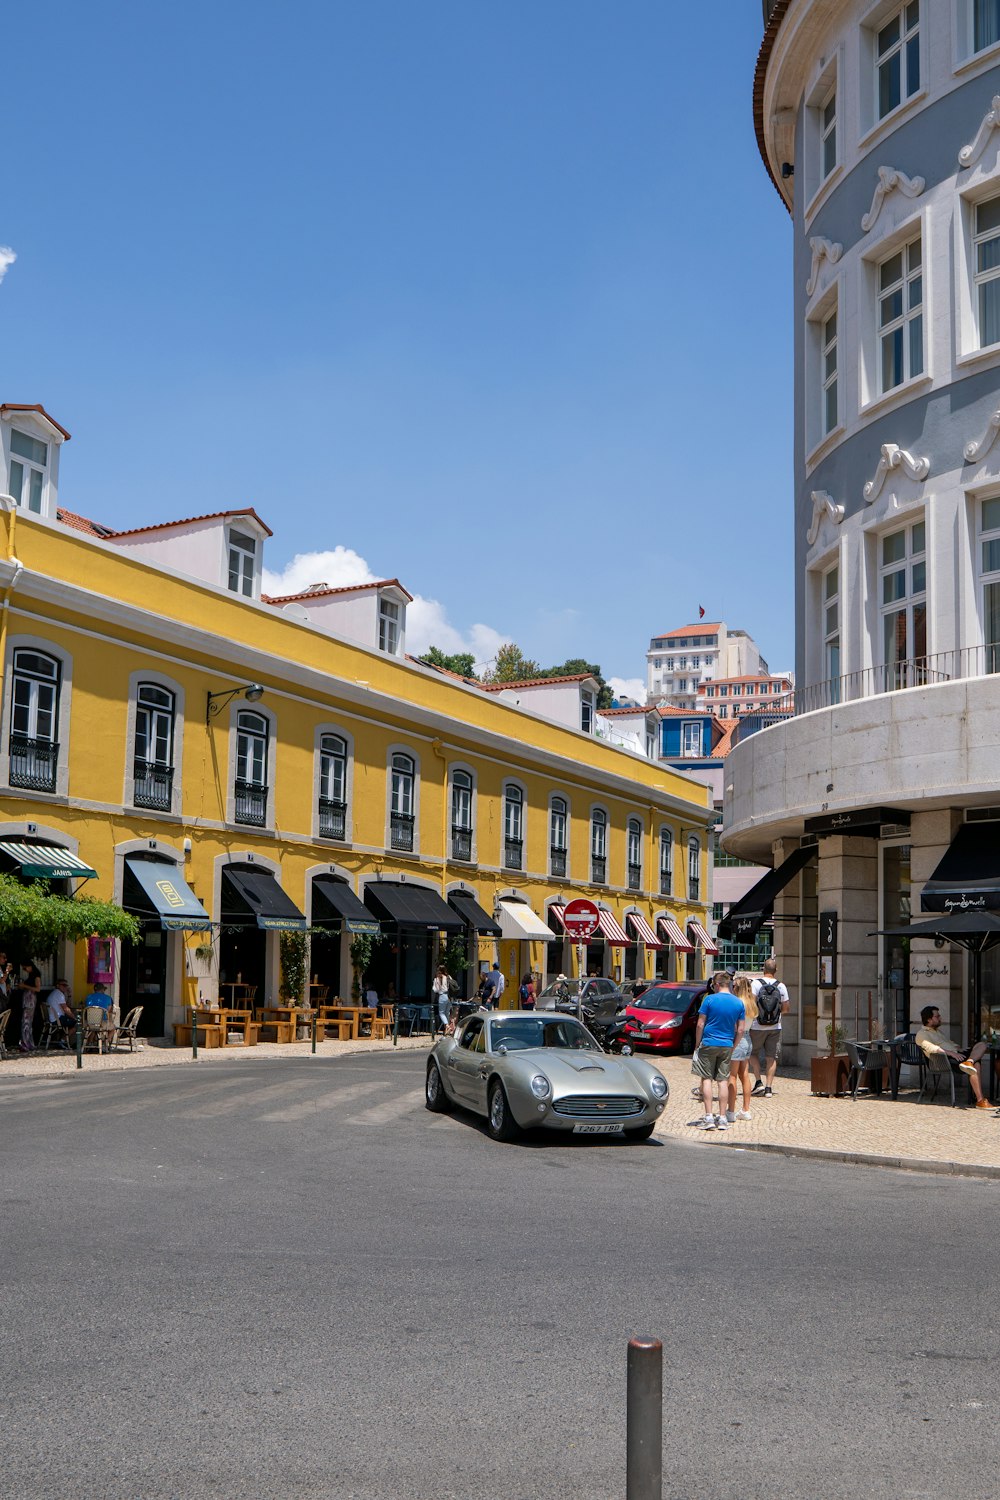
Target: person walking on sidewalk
[720,1026]
[442,996]
[930,1040]
[765,1034]
[739,1063]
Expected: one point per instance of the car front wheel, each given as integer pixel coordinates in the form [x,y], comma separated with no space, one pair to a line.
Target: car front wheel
[499,1121]
[434,1095]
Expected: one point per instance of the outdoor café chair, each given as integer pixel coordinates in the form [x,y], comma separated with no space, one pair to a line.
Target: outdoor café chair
[126,1032]
[4,1018]
[864,1060]
[938,1065]
[909,1055]
[96,1031]
[52,1031]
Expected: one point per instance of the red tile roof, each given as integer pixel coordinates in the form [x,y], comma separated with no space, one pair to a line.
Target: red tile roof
[529,682]
[698,628]
[20,406]
[82,523]
[210,515]
[347,588]
[621,713]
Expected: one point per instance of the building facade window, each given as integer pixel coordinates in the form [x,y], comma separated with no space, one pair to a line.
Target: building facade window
[513,827]
[897,59]
[250,800]
[333,787]
[986,274]
[461,815]
[831,624]
[829,343]
[985,24]
[242,563]
[34,747]
[389,615]
[633,854]
[558,823]
[694,869]
[401,804]
[900,317]
[587,712]
[598,846]
[989,542]
[153,767]
[691,740]
[29,460]
[828,134]
[666,861]
[903,603]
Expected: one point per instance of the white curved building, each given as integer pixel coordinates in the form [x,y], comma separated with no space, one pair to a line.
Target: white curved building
[879,125]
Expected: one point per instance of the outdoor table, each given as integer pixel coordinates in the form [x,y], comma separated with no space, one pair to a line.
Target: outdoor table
[889,1046]
[356,1014]
[238,991]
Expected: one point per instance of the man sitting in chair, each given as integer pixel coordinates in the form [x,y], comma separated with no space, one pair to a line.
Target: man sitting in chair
[930,1041]
[60,1010]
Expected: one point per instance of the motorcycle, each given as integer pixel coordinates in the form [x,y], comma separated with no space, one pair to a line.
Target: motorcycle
[612,1035]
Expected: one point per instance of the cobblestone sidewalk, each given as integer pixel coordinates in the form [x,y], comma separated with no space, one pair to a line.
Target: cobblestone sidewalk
[934,1136]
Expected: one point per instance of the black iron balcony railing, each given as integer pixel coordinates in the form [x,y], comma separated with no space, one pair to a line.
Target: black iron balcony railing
[332,819]
[513,853]
[153,785]
[250,803]
[598,868]
[557,860]
[461,843]
[401,832]
[634,874]
[33,763]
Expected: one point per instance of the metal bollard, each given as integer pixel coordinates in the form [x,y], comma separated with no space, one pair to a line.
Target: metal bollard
[644,1420]
[79,1038]
[194,1036]
[395,1025]
[314,1036]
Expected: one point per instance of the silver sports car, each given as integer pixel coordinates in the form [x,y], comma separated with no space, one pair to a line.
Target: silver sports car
[522,1069]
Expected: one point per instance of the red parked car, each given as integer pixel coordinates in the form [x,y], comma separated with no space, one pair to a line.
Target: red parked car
[665,1017]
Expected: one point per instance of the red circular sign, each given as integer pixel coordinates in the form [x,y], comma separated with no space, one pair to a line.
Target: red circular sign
[580,918]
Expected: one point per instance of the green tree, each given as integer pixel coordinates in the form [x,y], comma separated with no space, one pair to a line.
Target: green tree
[576,667]
[293,967]
[510,665]
[462,662]
[34,921]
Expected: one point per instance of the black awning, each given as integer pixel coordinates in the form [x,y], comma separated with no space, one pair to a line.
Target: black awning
[746,917]
[469,909]
[411,906]
[333,900]
[857,822]
[159,889]
[255,896]
[968,876]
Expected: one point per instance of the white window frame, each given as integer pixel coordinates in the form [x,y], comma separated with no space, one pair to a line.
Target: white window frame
[468,787]
[563,812]
[694,868]
[905,670]
[514,823]
[44,647]
[872,394]
[391,621]
[633,847]
[243,562]
[588,704]
[391,801]
[966,52]
[878,17]
[30,469]
[826,89]
[666,865]
[598,842]
[901,323]
[691,739]
[236,708]
[323,732]
[136,680]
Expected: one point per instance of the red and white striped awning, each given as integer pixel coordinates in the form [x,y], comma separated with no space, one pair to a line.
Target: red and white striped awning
[673,934]
[702,938]
[612,929]
[556,910]
[642,929]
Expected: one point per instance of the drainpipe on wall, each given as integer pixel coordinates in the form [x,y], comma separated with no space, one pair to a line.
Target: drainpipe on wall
[9,504]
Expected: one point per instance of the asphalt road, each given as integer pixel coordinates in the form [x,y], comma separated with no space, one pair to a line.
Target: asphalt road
[287,1279]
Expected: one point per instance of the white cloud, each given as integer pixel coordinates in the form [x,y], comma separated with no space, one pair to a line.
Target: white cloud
[7,259]
[628,687]
[427,622]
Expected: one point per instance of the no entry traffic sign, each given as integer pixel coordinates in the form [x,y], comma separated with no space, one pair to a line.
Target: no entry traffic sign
[580,919]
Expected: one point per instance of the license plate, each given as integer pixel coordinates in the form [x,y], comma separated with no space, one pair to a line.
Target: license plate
[589,1129]
[637,1036]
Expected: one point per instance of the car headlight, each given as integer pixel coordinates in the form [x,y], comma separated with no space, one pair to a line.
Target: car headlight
[658,1086]
[540,1086]
[670,1025]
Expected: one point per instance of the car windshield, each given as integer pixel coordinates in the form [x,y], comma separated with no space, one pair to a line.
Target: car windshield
[523,1032]
[675,1000]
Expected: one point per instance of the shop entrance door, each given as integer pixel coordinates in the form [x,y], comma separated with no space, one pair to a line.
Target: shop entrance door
[242,957]
[144,979]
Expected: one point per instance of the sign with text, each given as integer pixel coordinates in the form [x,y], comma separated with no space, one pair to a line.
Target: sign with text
[580,919]
[828,950]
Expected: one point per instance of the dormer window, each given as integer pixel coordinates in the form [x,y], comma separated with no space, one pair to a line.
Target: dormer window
[389,613]
[29,458]
[587,712]
[242,562]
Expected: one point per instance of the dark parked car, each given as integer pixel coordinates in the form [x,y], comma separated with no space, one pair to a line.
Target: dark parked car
[633,988]
[602,998]
[665,1016]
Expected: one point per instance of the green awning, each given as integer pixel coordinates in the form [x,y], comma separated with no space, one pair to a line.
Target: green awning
[164,891]
[47,861]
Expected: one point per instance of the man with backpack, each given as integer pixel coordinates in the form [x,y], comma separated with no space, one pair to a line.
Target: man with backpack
[765,1033]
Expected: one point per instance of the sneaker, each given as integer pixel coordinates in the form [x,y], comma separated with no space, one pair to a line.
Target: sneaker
[730,1116]
[706,1122]
[721,1123]
[983,1104]
[767,1093]
[758,1087]
[968,1067]
[743,1114]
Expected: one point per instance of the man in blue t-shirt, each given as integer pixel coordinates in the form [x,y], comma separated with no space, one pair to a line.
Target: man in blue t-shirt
[721,1022]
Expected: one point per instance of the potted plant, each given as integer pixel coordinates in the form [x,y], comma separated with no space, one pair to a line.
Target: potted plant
[829,1074]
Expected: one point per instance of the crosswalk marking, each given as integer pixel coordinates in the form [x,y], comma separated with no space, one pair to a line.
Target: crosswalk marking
[323,1101]
[381,1114]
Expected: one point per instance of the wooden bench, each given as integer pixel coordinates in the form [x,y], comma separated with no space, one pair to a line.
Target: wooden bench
[250,1030]
[381,1028]
[329,1024]
[212,1032]
[284,1031]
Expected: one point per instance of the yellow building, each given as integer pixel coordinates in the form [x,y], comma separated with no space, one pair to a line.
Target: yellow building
[230,766]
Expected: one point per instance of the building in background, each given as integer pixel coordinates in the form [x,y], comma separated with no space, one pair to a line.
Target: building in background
[679,662]
[879,800]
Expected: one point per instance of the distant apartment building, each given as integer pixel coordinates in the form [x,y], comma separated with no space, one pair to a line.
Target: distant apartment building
[728,697]
[680,661]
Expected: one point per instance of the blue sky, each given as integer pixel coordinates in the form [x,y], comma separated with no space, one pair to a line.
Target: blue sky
[492,297]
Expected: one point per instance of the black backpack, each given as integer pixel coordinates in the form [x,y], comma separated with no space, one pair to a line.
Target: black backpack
[769,1002]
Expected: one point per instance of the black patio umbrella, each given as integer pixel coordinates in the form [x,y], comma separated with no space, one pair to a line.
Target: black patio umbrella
[976,931]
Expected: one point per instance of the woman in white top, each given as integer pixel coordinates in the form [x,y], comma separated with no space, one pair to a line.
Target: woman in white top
[442,994]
